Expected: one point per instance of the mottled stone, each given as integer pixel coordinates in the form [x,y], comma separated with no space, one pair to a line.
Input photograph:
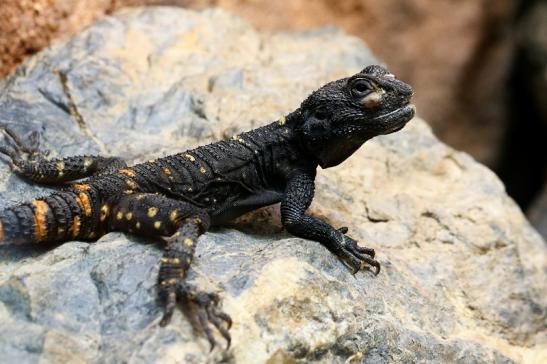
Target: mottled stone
[463,276]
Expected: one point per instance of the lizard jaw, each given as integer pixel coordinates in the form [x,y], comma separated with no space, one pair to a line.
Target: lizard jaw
[395,120]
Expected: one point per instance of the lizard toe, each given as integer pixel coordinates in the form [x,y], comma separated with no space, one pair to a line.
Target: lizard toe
[210,314]
[364,256]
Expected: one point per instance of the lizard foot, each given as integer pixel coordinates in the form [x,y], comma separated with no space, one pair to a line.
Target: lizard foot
[18,151]
[208,311]
[359,257]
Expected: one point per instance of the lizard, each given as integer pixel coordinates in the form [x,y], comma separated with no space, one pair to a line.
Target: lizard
[178,197]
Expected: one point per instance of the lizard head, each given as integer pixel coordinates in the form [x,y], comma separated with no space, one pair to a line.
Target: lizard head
[337,119]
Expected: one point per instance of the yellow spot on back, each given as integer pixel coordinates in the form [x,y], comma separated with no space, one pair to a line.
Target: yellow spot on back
[40,227]
[131,184]
[140,197]
[188,242]
[75,227]
[282,120]
[105,210]
[82,186]
[151,161]
[173,215]
[127,172]
[138,225]
[167,171]
[189,157]
[87,162]
[202,170]
[152,211]
[60,166]
[85,204]
[119,215]
[128,216]
[157,224]
[170,281]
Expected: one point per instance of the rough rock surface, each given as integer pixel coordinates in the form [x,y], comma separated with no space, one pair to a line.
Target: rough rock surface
[455,53]
[27,26]
[463,276]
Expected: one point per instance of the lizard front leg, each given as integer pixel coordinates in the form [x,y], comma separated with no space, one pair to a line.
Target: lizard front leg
[298,196]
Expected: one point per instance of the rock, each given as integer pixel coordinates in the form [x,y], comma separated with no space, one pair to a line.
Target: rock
[463,272]
[456,54]
[28,26]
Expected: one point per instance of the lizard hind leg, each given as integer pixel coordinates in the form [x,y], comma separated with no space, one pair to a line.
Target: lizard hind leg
[29,162]
[181,224]
[174,266]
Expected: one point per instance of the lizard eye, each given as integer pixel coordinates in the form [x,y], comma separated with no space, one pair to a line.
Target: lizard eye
[321,113]
[361,88]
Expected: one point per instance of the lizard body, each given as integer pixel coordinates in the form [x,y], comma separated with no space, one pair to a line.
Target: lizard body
[180,196]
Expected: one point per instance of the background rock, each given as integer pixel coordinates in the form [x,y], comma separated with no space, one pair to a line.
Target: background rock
[456,54]
[463,276]
[523,164]
[27,26]
[533,42]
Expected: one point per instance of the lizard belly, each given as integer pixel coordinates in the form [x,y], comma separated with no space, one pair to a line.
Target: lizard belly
[237,207]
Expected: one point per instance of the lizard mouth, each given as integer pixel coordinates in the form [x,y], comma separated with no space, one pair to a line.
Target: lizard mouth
[395,120]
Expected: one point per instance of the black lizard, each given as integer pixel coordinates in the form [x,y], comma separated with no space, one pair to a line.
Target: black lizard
[178,197]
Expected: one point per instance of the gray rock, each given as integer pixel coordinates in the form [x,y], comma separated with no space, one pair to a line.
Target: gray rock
[463,276]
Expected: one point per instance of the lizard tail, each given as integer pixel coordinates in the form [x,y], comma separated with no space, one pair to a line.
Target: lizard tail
[60,216]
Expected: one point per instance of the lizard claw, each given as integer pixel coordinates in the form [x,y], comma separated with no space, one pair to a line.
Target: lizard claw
[208,312]
[343,229]
[17,151]
[17,142]
[361,257]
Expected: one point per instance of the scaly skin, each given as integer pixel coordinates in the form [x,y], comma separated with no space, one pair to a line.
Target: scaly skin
[180,196]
